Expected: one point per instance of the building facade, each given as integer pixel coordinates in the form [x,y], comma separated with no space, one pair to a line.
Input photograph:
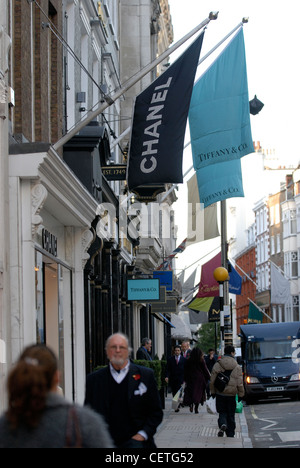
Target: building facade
[141,42]
[276,242]
[269,232]
[246,267]
[262,254]
[6,99]
[67,249]
[273,238]
[290,247]
[276,221]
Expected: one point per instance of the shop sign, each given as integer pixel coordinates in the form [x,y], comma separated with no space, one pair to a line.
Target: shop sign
[143,290]
[116,172]
[49,242]
[169,307]
[162,294]
[214,314]
[165,278]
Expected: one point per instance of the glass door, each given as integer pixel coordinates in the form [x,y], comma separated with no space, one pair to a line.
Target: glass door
[54,317]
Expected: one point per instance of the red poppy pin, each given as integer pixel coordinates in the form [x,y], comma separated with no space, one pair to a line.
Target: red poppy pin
[136,376]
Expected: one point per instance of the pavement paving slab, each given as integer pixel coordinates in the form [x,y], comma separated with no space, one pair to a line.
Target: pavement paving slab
[189,430]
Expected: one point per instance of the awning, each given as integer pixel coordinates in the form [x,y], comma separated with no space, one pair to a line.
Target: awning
[162,318]
[198,317]
[182,325]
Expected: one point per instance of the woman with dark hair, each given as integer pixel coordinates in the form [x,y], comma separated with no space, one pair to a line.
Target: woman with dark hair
[38,417]
[196,377]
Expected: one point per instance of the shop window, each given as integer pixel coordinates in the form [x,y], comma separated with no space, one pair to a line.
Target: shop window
[291,264]
[54,324]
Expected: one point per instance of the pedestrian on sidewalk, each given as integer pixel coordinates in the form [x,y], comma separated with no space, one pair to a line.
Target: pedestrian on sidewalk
[196,377]
[175,371]
[226,400]
[126,395]
[186,349]
[210,360]
[144,352]
[38,416]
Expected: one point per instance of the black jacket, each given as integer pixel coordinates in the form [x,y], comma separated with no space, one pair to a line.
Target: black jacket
[174,371]
[142,353]
[145,409]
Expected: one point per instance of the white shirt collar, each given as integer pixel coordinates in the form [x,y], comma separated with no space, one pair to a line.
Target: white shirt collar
[119,376]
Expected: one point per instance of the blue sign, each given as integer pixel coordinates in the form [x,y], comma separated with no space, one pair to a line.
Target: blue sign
[143,290]
[165,278]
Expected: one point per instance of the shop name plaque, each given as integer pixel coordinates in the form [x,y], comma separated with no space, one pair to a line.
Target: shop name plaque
[115,172]
[49,242]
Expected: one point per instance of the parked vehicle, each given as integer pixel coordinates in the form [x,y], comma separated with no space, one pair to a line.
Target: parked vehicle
[270,358]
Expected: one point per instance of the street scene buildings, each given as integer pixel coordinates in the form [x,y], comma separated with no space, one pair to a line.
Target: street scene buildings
[71,234]
[66,247]
[268,236]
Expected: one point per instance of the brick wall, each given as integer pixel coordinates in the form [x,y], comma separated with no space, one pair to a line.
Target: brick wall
[37,71]
[248,264]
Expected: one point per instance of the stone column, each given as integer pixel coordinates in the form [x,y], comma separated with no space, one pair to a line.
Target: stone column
[5,353]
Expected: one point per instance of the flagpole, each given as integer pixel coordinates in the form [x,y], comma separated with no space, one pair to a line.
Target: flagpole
[120,138]
[250,279]
[224,261]
[224,246]
[109,100]
[199,63]
[224,241]
[244,20]
[262,311]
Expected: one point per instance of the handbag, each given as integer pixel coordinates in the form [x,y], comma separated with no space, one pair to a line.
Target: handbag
[73,428]
[222,380]
[211,406]
[239,405]
[178,398]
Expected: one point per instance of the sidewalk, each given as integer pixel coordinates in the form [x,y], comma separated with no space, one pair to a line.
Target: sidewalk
[190,430]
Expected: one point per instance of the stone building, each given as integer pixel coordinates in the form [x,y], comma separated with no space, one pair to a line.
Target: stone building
[62,250]
[6,100]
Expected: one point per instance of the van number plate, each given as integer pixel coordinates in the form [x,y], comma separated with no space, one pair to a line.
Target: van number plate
[275,389]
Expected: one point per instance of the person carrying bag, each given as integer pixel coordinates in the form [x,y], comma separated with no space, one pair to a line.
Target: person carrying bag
[227,382]
[178,398]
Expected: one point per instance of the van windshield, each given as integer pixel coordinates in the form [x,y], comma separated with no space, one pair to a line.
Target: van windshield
[267,350]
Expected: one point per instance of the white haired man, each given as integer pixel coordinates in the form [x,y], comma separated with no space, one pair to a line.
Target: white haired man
[126,395]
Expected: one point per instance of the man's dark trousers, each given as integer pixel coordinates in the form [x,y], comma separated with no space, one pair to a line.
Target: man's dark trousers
[226,408]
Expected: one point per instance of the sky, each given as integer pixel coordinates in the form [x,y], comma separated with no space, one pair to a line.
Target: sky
[273,69]
[273,61]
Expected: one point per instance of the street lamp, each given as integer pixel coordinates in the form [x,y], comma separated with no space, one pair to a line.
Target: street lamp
[221,275]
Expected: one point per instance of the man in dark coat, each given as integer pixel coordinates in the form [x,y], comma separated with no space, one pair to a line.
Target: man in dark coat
[175,370]
[186,349]
[127,396]
[144,351]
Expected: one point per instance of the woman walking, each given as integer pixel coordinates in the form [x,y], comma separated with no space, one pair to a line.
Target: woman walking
[38,417]
[196,377]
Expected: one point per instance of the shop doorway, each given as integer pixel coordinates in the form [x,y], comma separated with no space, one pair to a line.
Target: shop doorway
[54,317]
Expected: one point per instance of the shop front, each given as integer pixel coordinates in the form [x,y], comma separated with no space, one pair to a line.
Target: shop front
[54,309]
[51,213]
